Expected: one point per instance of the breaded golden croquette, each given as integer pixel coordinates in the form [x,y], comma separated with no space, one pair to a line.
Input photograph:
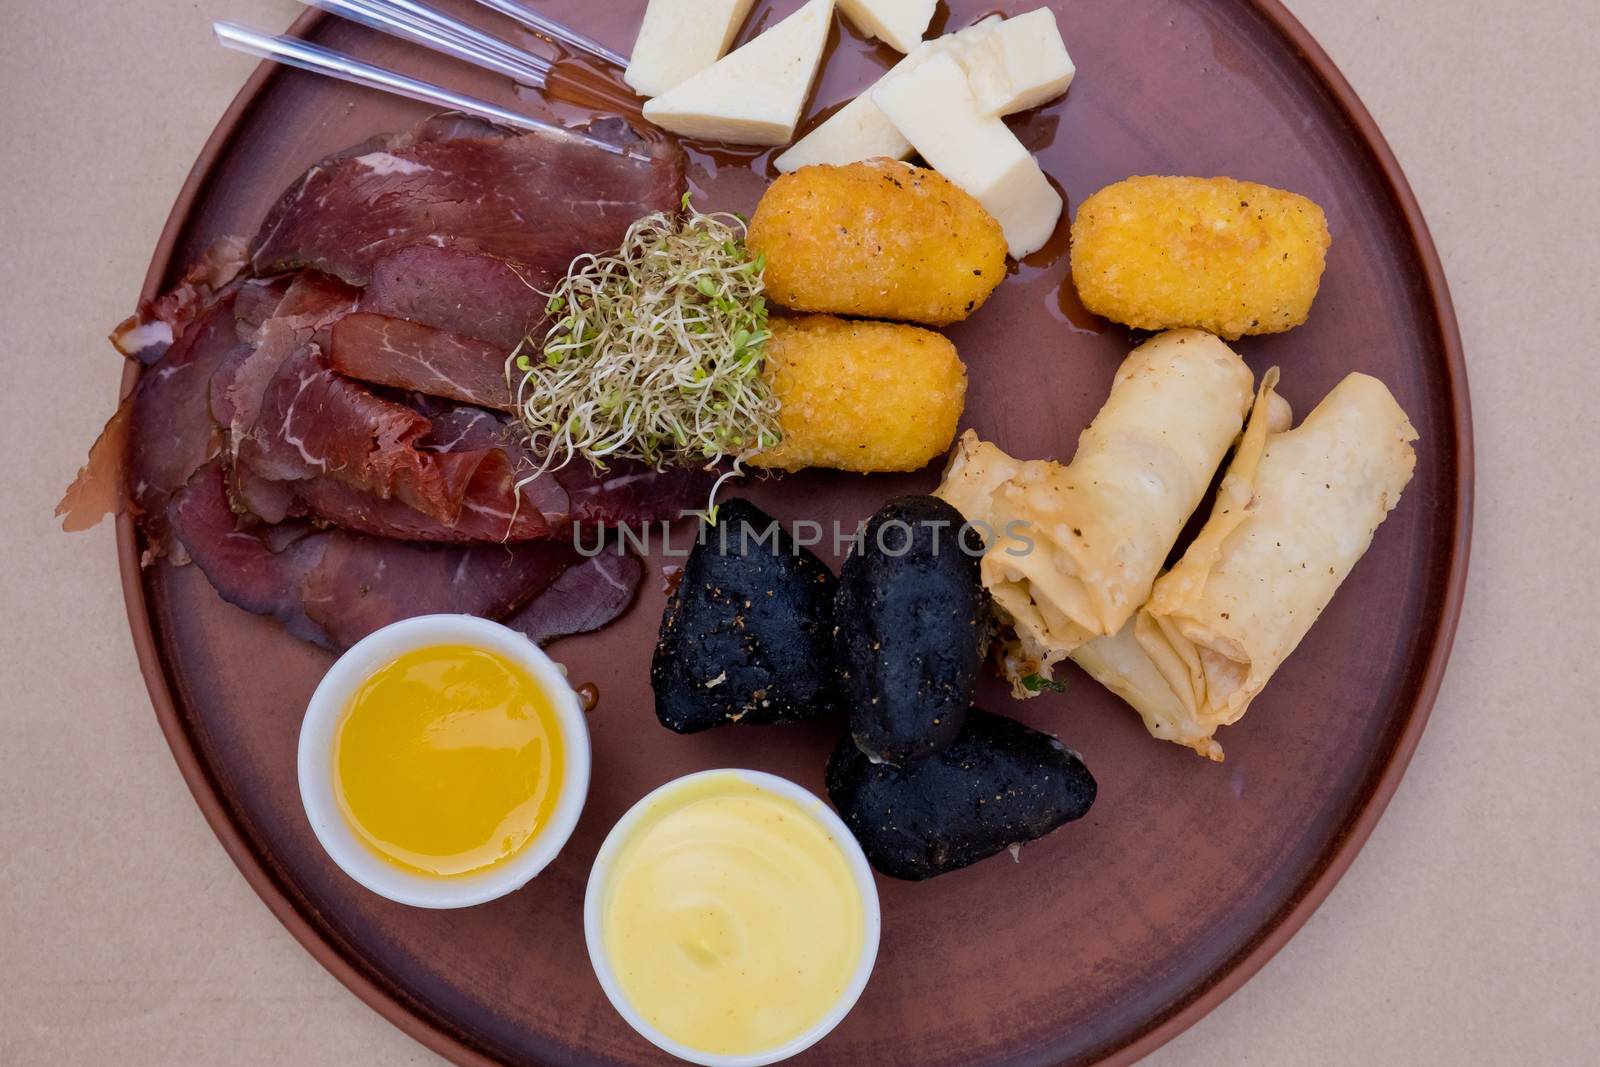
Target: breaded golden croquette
[1216,254]
[880,239]
[861,396]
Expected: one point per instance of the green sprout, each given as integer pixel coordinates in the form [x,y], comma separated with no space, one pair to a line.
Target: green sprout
[653,353]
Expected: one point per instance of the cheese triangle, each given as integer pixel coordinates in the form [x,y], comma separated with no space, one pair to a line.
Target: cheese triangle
[899,24]
[859,130]
[680,38]
[754,94]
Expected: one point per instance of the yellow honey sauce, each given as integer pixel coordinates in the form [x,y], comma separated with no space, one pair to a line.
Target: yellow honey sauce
[731,918]
[448,760]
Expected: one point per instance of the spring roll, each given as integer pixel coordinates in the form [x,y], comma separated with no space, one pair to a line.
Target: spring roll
[1295,512]
[1074,549]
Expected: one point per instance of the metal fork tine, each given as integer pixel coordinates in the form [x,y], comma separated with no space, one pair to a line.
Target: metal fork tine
[297,53]
[423,12]
[539,24]
[385,18]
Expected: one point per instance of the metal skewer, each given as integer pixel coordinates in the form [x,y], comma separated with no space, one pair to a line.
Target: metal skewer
[554,30]
[389,19]
[425,16]
[420,10]
[325,61]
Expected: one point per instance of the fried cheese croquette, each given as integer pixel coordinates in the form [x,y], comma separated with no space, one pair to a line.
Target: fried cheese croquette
[861,396]
[1216,254]
[879,239]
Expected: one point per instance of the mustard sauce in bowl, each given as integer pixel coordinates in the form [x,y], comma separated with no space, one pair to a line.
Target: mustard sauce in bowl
[443,761]
[448,760]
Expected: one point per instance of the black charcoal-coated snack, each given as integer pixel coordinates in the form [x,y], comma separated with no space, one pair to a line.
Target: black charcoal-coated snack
[913,618]
[998,784]
[746,638]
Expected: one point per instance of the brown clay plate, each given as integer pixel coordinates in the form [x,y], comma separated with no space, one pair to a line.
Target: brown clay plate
[1111,935]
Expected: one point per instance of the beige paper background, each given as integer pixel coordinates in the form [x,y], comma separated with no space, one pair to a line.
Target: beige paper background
[1468,931]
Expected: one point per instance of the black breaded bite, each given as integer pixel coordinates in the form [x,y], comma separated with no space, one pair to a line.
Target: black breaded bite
[746,638]
[998,784]
[913,618]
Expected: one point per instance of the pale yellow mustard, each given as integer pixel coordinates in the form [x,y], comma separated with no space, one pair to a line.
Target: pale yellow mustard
[731,917]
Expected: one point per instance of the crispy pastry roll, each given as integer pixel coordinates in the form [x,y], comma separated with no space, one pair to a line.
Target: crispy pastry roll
[1295,511]
[1074,549]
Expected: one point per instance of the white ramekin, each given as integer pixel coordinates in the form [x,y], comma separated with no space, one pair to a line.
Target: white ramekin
[594,899]
[319,728]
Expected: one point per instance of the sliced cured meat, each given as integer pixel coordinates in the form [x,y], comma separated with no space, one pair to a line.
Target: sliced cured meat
[241,563]
[280,535]
[257,301]
[311,303]
[409,355]
[448,126]
[333,587]
[629,492]
[462,427]
[221,389]
[540,198]
[161,433]
[312,421]
[466,293]
[499,505]
[268,500]
[487,515]
[149,332]
[317,424]
[170,430]
[503,501]
[364,583]
[585,598]
[444,126]
[494,507]
[365,437]
[626,492]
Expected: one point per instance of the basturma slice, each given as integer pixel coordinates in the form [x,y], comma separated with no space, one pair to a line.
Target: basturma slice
[314,423]
[466,293]
[499,503]
[492,506]
[162,433]
[539,198]
[586,597]
[409,355]
[333,587]
[146,335]
[310,303]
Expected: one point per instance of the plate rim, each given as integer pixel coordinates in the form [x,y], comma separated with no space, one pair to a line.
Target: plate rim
[423,1025]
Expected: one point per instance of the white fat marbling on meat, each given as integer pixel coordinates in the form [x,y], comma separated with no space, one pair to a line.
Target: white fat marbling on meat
[612,484]
[299,443]
[450,445]
[611,580]
[385,164]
